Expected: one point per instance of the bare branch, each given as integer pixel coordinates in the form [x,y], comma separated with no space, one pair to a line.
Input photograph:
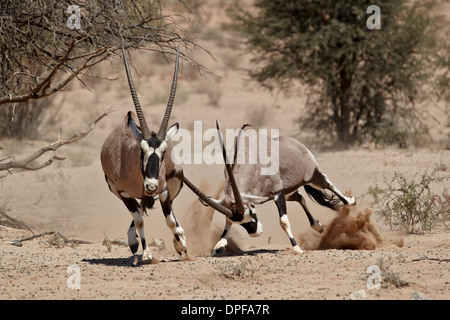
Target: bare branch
[40,54]
[57,233]
[13,222]
[26,163]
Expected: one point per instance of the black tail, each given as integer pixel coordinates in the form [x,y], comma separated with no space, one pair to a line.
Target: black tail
[322,198]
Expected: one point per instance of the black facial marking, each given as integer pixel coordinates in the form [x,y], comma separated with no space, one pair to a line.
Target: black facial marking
[152,169]
[154,142]
[252,226]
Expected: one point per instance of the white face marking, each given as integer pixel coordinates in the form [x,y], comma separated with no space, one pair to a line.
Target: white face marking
[151,184]
[149,150]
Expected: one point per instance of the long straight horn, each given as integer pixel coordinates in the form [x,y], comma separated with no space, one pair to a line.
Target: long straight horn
[165,121]
[237,195]
[208,200]
[137,105]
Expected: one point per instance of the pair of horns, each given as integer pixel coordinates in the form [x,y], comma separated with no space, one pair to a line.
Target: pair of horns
[240,209]
[165,121]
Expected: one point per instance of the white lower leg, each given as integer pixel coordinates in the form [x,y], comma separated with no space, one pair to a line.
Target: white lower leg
[179,241]
[146,253]
[285,224]
[223,242]
[139,223]
[220,246]
[350,200]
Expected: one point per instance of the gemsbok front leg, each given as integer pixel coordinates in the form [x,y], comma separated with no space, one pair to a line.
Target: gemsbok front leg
[280,201]
[315,224]
[179,240]
[137,223]
[223,242]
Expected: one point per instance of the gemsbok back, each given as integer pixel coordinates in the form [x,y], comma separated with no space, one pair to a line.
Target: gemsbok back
[245,186]
[136,160]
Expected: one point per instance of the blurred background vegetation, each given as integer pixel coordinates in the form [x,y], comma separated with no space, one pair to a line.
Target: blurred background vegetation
[40,54]
[364,84]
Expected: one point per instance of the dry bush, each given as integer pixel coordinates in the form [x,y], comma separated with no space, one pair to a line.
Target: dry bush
[389,276]
[240,270]
[411,205]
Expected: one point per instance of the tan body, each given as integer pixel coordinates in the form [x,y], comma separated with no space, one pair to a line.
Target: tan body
[121,162]
[296,167]
[136,160]
[246,186]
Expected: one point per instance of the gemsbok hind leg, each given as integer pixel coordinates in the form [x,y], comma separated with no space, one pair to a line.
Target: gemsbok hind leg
[179,240]
[319,182]
[315,224]
[280,201]
[346,200]
[137,223]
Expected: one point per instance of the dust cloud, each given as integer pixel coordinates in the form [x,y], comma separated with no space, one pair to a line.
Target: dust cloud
[352,228]
[202,230]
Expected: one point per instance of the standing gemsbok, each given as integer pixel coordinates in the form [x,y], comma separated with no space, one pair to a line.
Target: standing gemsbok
[246,186]
[136,160]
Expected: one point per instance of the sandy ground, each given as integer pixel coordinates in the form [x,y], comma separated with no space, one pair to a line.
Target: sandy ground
[38,270]
[72,197]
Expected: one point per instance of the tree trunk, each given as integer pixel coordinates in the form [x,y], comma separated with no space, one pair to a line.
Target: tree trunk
[342,115]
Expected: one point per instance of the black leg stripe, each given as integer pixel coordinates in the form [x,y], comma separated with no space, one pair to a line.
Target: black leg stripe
[293,242]
[224,233]
[134,248]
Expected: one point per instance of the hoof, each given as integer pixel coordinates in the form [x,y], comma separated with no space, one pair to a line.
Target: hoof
[180,246]
[318,226]
[220,247]
[185,257]
[147,255]
[297,249]
[218,251]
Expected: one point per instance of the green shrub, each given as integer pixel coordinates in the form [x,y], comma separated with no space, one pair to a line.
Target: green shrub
[411,205]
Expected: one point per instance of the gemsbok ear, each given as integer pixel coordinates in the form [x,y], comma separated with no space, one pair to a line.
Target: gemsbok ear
[137,134]
[171,132]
